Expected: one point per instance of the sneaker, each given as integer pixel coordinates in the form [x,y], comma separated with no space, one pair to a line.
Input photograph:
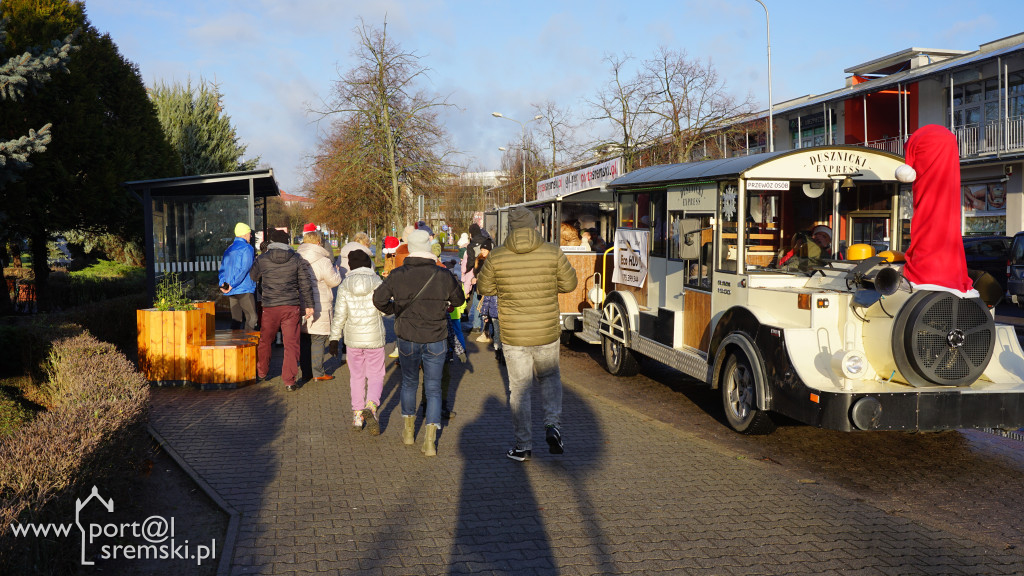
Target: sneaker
[483,338]
[289,387]
[554,438]
[519,455]
[368,416]
[394,354]
[324,378]
[357,421]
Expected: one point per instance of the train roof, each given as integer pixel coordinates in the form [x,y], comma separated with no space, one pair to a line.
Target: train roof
[734,167]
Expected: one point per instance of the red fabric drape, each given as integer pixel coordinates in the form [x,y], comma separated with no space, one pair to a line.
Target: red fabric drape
[936,253]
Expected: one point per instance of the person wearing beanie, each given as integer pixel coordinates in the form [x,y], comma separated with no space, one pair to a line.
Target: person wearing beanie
[323,277]
[420,293]
[234,280]
[358,321]
[435,247]
[287,298]
[527,274]
[403,249]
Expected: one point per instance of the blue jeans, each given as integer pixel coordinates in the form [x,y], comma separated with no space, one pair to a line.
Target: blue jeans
[476,322]
[523,363]
[431,356]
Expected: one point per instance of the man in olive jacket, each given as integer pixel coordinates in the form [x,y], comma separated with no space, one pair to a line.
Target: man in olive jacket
[527,274]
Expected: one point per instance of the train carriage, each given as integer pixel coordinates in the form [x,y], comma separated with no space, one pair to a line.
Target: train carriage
[722,272]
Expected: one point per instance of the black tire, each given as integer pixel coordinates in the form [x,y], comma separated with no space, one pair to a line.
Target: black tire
[739,397]
[619,360]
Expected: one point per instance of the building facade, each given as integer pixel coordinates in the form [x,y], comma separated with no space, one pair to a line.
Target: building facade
[978,95]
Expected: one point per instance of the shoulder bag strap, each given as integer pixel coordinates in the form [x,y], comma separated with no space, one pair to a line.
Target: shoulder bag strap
[418,294]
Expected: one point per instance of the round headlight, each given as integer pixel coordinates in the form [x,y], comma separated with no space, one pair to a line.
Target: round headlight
[853,364]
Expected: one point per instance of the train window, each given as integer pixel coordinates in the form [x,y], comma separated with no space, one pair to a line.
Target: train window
[659,232]
[635,210]
[762,227]
[627,210]
[690,240]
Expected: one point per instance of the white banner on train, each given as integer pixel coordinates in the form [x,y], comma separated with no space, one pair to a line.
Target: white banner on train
[631,257]
[590,177]
[767,184]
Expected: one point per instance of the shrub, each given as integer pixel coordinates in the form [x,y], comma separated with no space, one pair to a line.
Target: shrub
[111,320]
[92,431]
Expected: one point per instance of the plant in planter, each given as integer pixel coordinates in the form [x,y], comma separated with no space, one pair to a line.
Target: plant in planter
[172,294]
[166,331]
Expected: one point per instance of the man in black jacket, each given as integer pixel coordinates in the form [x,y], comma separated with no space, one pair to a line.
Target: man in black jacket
[286,289]
[419,293]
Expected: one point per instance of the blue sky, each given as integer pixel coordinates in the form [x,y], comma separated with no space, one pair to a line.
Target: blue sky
[275,60]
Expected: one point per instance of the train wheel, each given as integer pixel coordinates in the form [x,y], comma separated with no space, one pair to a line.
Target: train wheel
[618,358]
[739,397]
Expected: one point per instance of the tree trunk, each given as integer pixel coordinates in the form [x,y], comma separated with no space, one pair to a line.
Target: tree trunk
[41,268]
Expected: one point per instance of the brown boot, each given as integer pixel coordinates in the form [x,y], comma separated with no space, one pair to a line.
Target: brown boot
[409,432]
[429,438]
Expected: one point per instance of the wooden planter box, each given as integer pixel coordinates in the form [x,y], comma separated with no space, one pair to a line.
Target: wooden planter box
[164,339]
[182,347]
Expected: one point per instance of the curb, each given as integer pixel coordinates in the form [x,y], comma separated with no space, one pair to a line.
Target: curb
[228,549]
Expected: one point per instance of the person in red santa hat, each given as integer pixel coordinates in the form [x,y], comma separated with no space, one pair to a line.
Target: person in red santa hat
[390,247]
[935,258]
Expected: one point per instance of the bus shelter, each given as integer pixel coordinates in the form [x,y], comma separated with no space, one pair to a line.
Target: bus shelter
[190,220]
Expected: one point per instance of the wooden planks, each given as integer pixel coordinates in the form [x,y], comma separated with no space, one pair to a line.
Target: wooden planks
[696,319]
[178,347]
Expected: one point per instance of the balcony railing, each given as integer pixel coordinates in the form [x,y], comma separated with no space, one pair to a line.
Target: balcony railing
[893,145]
[990,138]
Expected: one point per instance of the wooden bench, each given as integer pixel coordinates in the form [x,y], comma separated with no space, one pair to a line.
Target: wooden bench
[227,360]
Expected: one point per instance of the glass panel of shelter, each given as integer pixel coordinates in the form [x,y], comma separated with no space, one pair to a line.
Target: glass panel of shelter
[190,234]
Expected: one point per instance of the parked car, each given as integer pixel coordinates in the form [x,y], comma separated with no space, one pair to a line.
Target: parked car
[988,254]
[1015,266]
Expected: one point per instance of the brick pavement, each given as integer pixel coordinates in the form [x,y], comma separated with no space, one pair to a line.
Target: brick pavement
[630,495]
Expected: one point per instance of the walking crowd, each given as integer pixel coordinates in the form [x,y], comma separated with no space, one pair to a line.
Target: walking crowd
[322,305]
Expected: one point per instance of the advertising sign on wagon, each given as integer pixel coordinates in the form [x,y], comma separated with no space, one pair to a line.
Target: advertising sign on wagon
[631,257]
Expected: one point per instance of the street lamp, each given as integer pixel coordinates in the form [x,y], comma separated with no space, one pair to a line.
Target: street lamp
[523,147]
[768,28]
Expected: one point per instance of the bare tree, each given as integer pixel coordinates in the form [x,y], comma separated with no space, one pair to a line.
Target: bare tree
[690,101]
[395,144]
[520,160]
[625,103]
[559,134]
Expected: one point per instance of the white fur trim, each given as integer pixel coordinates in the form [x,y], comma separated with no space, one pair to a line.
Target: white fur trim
[972,293]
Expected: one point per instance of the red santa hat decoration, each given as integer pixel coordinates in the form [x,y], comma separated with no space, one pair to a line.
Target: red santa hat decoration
[390,244]
[935,258]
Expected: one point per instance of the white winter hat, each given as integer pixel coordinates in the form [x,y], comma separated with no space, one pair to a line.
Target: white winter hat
[419,241]
[463,240]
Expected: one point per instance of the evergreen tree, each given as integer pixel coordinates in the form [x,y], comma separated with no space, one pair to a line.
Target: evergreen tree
[104,133]
[196,127]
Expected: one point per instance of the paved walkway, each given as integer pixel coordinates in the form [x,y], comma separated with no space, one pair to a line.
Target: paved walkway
[630,495]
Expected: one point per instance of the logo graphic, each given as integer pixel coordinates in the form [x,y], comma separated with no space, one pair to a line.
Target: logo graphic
[120,539]
[79,505]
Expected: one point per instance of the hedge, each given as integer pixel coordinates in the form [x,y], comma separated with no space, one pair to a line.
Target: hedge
[90,434]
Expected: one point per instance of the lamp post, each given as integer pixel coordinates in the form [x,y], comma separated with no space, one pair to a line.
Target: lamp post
[522,147]
[768,29]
